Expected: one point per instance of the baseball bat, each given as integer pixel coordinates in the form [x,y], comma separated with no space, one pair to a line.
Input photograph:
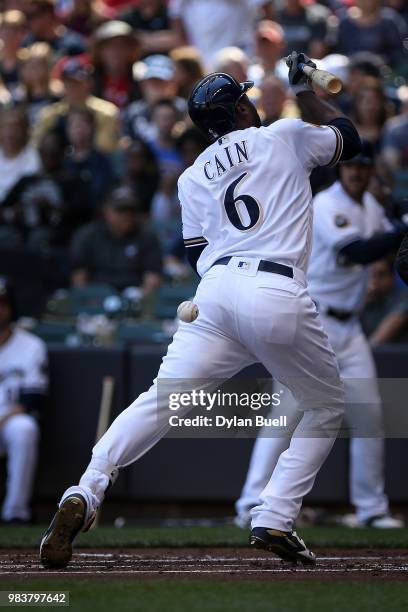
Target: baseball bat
[105,407]
[326,80]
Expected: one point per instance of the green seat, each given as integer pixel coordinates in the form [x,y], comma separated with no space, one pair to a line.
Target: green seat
[54,331]
[81,300]
[90,299]
[168,298]
[142,332]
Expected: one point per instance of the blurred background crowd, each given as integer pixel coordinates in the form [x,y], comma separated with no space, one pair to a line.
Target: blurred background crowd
[94,134]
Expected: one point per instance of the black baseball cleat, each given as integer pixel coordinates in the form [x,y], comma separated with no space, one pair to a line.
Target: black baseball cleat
[56,544]
[286,544]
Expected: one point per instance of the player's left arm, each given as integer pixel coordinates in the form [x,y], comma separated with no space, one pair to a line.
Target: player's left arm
[367,250]
[194,241]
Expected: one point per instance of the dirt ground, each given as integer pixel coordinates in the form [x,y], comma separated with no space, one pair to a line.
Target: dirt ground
[213,563]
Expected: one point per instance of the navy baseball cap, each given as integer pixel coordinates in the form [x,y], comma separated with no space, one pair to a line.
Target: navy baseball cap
[77,68]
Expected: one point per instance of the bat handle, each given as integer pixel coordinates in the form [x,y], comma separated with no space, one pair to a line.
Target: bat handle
[306,69]
[325,80]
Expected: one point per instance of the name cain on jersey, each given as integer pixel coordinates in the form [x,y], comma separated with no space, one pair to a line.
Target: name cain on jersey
[230,157]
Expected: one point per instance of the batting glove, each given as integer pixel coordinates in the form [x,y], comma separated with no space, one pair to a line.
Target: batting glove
[297,79]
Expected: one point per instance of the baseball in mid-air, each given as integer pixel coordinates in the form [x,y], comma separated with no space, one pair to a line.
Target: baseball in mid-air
[187,312]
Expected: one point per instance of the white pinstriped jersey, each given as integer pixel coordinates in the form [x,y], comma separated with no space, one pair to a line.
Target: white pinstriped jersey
[23,360]
[338,221]
[249,194]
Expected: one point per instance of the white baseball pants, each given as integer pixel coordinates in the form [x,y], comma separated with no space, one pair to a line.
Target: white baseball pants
[363,416]
[245,317]
[19,441]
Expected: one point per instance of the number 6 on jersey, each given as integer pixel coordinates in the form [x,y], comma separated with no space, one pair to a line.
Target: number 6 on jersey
[244,211]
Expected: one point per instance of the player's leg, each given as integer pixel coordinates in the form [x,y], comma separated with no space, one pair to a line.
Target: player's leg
[364,417]
[201,350]
[266,451]
[19,436]
[295,349]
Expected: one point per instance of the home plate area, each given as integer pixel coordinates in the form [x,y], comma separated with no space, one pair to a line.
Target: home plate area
[210,563]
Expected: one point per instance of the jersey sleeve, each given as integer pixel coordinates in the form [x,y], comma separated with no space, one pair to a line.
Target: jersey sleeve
[313,145]
[333,226]
[192,231]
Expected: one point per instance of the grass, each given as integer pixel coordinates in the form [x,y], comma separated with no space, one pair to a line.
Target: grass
[225,596]
[138,537]
[156,595]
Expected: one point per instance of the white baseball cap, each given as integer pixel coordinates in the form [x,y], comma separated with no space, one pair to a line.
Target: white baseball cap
[154,67]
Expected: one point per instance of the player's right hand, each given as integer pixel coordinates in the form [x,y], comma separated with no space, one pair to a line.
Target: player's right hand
[298,80]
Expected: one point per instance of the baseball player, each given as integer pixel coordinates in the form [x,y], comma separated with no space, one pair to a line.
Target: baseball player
[350,230]
[23,384]
[246,213]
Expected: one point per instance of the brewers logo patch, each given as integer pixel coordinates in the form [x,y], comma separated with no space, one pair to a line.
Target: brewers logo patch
[341,221]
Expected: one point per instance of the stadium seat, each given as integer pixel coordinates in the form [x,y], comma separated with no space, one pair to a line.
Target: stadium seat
[54,331]
[169,297]
[142,332]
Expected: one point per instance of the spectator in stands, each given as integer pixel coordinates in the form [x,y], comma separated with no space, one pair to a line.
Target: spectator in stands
[141,174]
[83,160]
[274,101]
[37,89]
[362,68]
[305,26]
[190,144]
[233,61]
[400,6]
[44,26]
[44,208]
[116,50]
[189,69]
[385,316]
[371,109]
[150,20]
[395,140]
[211,25]
[270,46]
[76,74]
[369,27]
[164,119]
[23,385]
[12,32]
[81,16]
[165,116]
[165,207]
[156,75]
[17,157]
[117,250]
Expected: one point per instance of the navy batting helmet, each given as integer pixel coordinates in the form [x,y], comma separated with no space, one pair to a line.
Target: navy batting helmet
[213,101]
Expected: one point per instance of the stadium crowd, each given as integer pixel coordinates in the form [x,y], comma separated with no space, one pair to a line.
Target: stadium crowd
[94,130]
[94,133]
